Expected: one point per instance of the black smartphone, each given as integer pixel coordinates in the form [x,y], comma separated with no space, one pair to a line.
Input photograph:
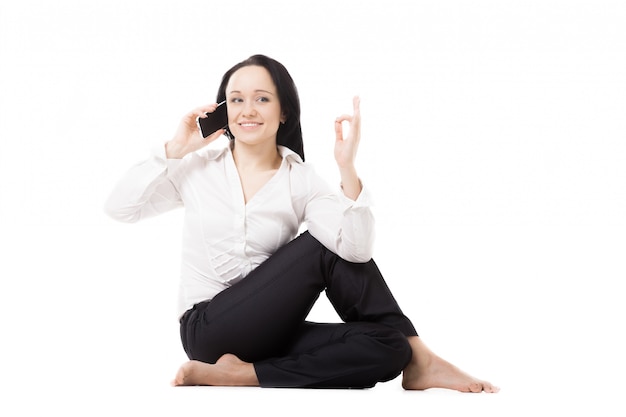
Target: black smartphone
[214,122]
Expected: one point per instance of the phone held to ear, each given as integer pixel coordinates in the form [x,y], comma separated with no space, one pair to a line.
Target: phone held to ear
[214,121]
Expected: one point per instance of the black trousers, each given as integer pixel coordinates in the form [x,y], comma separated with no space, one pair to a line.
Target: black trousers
[262,320]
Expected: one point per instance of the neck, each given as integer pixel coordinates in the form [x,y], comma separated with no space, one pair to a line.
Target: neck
[257,158]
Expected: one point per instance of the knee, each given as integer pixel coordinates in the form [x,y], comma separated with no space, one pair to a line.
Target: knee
[396,356]
[304,244]
[389,352]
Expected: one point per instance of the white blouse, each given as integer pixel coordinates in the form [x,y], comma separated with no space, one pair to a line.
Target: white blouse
[224,238]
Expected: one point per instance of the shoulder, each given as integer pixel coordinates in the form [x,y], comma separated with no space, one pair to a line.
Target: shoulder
[196,163]
[204,158]
[304,180]
[298,169]
[210,154]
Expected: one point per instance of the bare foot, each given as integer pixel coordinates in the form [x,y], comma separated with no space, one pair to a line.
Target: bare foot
[229,370]
[427,370]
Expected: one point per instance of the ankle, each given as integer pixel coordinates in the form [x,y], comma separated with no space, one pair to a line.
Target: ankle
[421,353]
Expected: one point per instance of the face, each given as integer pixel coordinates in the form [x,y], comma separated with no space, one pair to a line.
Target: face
[254,112]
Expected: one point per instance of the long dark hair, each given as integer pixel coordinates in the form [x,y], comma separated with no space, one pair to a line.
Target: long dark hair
[290,133]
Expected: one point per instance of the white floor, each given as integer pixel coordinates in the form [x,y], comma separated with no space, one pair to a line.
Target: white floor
[127,398]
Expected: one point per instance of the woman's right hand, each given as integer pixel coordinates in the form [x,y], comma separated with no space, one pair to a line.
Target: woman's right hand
[188,138]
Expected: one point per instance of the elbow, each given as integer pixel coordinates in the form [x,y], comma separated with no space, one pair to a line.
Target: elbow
[359,258]
[359,248]
[120,214]
[356,249]
[358,254]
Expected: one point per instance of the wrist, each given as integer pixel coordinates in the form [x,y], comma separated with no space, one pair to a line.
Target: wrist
[350,182]
[348,173]
[173,150]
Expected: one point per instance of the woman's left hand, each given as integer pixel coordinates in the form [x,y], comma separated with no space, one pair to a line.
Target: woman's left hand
[345,150]
[346,147]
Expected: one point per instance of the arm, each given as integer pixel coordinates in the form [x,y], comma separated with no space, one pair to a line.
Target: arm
[343,223]
[144,191]
[147,188]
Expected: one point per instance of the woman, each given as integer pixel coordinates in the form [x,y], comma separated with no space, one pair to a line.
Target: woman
[246,284]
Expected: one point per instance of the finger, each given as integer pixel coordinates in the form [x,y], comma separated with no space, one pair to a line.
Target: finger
[356,104]
[339,125]
[344,118]
[203,110]
[338,129]
[355,123]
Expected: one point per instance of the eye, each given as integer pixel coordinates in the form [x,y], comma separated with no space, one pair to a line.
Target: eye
[263,99]
[236,100]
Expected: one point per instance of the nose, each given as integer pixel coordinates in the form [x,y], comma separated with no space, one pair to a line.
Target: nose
[249,110]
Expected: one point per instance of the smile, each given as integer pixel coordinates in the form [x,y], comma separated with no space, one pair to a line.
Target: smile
[248,124]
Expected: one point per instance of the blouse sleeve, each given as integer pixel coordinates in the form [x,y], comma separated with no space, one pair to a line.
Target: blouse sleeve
[146,190]
[343,225]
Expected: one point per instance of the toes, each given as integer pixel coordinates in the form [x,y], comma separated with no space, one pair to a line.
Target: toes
[179,379]
[476,387]
[491,388]
[480,386]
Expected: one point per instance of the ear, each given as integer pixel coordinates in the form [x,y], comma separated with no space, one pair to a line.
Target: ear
[283,117]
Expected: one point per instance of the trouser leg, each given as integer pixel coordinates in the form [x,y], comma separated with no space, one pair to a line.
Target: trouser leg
[338,355]
[358,292]
[259,317]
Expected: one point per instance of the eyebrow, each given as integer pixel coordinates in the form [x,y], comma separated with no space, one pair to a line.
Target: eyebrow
[256,91]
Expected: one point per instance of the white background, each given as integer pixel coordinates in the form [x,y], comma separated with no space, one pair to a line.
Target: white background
[494,142]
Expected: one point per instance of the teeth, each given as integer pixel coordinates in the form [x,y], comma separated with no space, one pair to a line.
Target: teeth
[249,124]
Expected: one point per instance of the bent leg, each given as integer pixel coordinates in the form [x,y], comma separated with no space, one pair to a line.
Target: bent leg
[338,355]
[256,318]
[261,317]
[358,292]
